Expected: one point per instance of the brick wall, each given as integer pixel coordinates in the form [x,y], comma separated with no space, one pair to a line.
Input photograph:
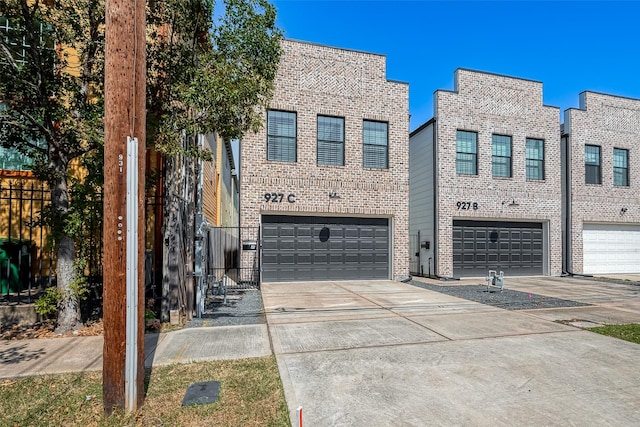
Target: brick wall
[318,80]
[493,104]
[609,122]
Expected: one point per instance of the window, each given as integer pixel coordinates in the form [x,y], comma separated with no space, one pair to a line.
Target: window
[11,158]
[330,141]
[501,155]
[17,42]
[375,145]
[281,136]
[592,171]
[535,158]
[620,167]
[466,153]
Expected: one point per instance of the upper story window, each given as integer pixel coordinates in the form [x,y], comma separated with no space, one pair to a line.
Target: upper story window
[466,153]
[281,136]
[330,140]
[535,158]
[592,165]
[620,167]
[17,42]
[375,136]
[501,155]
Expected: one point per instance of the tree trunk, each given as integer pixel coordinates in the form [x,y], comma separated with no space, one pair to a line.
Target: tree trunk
[69,317]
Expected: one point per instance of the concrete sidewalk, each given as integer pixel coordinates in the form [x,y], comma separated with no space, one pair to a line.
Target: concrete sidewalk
[19,358]
[381,353]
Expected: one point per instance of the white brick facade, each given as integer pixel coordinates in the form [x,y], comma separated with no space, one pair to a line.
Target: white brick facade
[317,80]
[609,122]
[491,104]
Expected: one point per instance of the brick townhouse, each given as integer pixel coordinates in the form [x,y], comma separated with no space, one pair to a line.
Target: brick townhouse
[602,185]
[327,177]
[485,181]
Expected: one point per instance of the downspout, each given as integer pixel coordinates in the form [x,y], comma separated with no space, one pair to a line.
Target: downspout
[568,188]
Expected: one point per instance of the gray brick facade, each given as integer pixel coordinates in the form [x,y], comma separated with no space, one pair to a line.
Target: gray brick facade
[609,122]
[489,104]
[317,80]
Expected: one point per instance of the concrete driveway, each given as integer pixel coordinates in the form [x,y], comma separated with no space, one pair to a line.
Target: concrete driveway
[384,353]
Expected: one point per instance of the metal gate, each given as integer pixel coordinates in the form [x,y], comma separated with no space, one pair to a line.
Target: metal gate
[232,257]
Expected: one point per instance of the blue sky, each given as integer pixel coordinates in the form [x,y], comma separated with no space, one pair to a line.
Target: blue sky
[569,46]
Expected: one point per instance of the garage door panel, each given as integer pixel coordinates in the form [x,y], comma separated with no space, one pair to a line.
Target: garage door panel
[351,233]
[287,245]
[303,245]
[353,248]
[304,231]
[611,248]
[350,245]
[303,259]
[318,258]
[479,246]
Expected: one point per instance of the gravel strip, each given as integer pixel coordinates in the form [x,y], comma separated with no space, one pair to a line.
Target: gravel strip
[507,299]
[241,308]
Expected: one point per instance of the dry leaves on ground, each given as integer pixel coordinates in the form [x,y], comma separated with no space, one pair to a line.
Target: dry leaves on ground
[46,330]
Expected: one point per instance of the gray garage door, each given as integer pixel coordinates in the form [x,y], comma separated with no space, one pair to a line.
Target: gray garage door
[317,248]
[513,247]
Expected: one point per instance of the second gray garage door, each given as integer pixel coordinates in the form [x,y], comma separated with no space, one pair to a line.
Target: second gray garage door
[316,248]
[513,247]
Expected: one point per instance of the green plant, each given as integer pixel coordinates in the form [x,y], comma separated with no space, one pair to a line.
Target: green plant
[47,304]
[624,332]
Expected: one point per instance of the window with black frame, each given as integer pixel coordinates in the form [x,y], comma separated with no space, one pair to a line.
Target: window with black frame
[592,165]
[375,144]
[330,141]
[501,156]
[466,153]
[281,136]
[620,167]
[535,159]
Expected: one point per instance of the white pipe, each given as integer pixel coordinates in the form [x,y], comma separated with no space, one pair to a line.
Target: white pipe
[131,352]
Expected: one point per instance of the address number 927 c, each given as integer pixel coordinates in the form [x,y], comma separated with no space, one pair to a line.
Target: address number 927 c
[465,206]
[279,197]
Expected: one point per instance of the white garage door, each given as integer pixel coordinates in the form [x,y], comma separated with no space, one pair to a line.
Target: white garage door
[611,248]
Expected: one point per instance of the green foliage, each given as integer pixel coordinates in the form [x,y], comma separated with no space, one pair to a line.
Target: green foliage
[47,304]
[202,77]
[51,80]
[217,77]
[624,332]
[53,103]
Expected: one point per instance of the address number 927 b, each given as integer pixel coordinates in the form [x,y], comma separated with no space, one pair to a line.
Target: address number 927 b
[465,206]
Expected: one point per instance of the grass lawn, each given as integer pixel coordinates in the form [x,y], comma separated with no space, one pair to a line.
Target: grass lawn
[624,332]
[250,395]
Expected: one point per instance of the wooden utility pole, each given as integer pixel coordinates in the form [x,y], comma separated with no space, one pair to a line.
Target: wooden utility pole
[124,120]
